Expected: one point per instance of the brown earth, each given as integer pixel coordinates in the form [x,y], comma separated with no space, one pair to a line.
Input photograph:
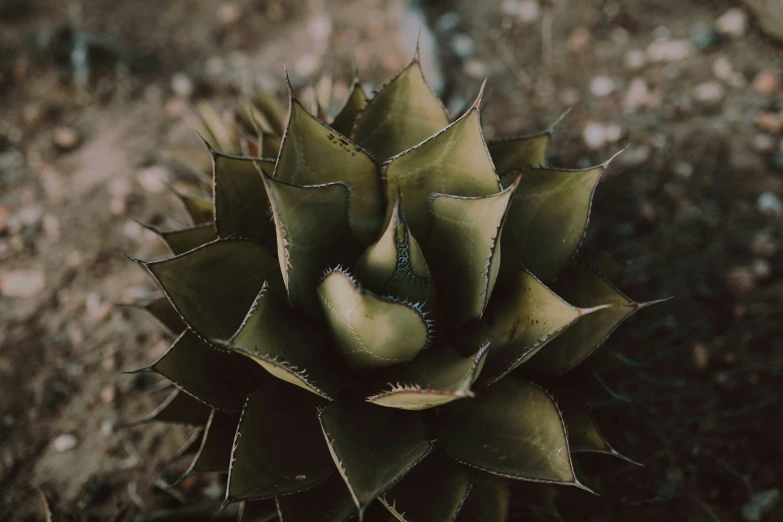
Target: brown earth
[693,204]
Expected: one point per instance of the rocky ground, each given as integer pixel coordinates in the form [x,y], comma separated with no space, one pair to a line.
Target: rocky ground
[695,204]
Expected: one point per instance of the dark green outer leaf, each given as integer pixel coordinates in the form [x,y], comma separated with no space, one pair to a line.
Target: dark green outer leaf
[185,239]
[164,314]
[200,210]
[434,378]
[581,286]
[213,286]
[373,447]
[241,204]
[401,114]
[488,501]
[522,152]
[433,492]
[512,429]
[220,378]
[290,346]
[354,105]
[522,318]
[278,448]
[214,454]
[178,408]
[262,511]
[313,235]
[327,502]
[549,203]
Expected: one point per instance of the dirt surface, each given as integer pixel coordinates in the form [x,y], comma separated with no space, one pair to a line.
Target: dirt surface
[694,205]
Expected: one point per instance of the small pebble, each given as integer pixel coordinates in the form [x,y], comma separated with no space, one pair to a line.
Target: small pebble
[594,135]
[528,11]
[182,85]
[67,138]
[601,86]
[741,280]
[107,427]
[229,13]
[22,283]
[153,179]
[669,50]
[761,142]
[320,29]
[108,394]
[769,122]
[635,59]
[463,45]
[661,33]
[770,204]
[637,93]
[65,442]
[709,92]
[578,40]
[683,170]
[97,310]
[475,69]
[732,23]
[722,68]
[766,83]
[761,268]
[701,356]
[613,132]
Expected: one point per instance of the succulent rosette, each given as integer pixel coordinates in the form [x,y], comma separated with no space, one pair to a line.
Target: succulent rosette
[356,310]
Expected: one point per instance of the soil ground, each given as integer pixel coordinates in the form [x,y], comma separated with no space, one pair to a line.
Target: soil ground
[694,205]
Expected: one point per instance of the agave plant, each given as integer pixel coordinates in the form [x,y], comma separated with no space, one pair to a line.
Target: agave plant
[358,318]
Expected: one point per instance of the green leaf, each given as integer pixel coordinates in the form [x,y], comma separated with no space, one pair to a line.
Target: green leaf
[279,448]
[373,447]
[584,436]
[217,377]
[454,161]
[163,312]
[327,502]
[522,152]
[186,239]
[262,511]
[214,454]
[199,209]
[313,235]
[178,408]
[370,330]
[433,492]
[222,134]
[464,250]
[522,318]
[354,105]
[241,205]
[313,153]
[395,265]
[488,500]
[434,378]
[608,266]
[585,287]
[403,113]
[513,430]
[268,111]
[289,346]
[548,218]
[270,145]
[213,286]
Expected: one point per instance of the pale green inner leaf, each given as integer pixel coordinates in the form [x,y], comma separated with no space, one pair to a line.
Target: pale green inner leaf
[524,152]
[369,330]
[354,105]
[241,204]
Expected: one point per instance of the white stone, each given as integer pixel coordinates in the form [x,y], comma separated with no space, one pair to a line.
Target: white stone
[153,179]
[306,65]
[733,23]
[761,268]
[320,28]
[613,132]
[769,203]
[528,11]
[709,92]
[24,282]
[182,85]
[669,50]
[65,442]
[594,135]
[635,59]
[637,93]
[601,86]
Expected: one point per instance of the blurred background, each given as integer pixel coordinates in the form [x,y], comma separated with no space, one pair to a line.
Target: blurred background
[95,101]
